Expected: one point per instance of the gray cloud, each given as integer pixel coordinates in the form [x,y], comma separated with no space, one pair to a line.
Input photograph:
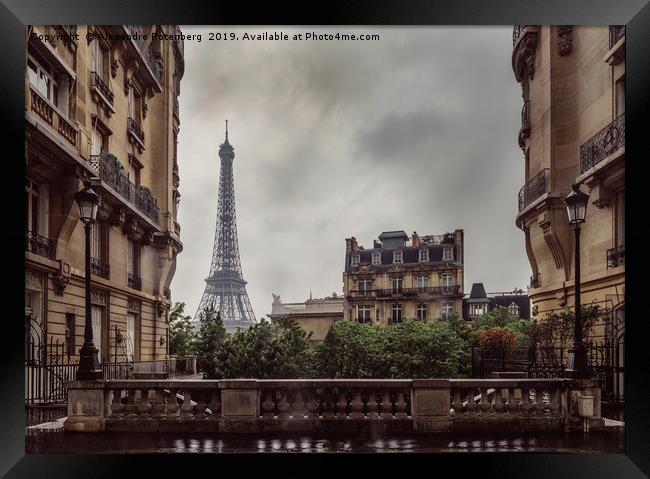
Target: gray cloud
[416,131]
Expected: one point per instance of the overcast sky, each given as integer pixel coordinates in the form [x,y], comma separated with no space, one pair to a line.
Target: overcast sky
[414,132]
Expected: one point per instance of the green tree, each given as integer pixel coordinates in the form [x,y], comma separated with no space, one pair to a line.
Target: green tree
[211,344]
[181,332]
[500,317]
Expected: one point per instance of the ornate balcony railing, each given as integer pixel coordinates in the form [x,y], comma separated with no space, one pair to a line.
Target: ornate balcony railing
[100,268]
[176,107]
[318,405]
[602,144]
[616,32]
[136,34]
[534,188]
[111,171]
[534,281]
[39,245]
[97,82]
[432,291]
[616,256]
[517,31]
[133,281]
[52,116]
[133,128]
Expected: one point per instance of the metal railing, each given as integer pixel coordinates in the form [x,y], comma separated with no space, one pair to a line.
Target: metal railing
[39,245]
[136,35]
[400,292]
[616,256]
[133,281]
[100,268]
[133,128]
[111,171]
[602,144]
[616,32]
[97,82]
[534,188]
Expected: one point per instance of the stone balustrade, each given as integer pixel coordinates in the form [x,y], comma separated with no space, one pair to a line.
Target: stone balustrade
[330,405]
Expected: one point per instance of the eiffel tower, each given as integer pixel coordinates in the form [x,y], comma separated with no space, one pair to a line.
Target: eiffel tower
[225,289]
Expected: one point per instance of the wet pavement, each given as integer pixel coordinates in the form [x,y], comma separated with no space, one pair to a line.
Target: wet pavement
[611,441]
[57,441]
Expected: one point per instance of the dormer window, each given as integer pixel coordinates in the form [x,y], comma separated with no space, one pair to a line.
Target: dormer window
[355,259]
[448,254]
[424,255]
[513,309]
[376,257]
[397,257]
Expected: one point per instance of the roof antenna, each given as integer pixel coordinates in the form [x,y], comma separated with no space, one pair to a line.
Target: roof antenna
[226,131]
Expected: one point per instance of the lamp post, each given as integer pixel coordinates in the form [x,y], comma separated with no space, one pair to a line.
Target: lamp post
[576,206]
[89,367]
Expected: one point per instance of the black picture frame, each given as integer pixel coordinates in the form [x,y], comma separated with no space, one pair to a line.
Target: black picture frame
[15,14]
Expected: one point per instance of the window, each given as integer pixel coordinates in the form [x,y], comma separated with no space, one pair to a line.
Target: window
[422,312]
[448,254]
[397,285]
[422,282]
[43,79]
[478,309]
[133,265]
[424,255]
[397,257]
[97,315]
[98,249]
[447,280]
[365,286]
[620,96]
[619,218]
[447,310]
[98,59]
[134,105]
[134,171]
[363,314]
[130,336]
[31,208]
[397,314]
[355,259]
[376,257]
[513,309]
[69,334]
[97,142]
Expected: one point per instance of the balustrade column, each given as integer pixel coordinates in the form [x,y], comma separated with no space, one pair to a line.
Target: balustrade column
[373,406]
[131,407]
[299,408]
[386,405]
[158,405]
[172,406]
[328,403]
[144,407]
[283,405]
[356,405]
[117,408]
[400,405]
[342,404]
[268,405]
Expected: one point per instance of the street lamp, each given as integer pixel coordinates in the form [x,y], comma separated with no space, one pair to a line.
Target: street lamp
[576,207]
[89,367]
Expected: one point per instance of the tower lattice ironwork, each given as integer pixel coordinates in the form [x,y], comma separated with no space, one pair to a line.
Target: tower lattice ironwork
[225,289]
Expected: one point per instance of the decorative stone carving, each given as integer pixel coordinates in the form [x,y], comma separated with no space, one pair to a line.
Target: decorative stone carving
[118,217]
[98,296]
[565,39]
[147,237]
[114,66]
[523,61]
[133,305]
[61,282]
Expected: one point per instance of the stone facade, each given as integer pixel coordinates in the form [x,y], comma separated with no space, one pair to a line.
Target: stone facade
[395,280]
[573,132]
[101,109]
[315,316]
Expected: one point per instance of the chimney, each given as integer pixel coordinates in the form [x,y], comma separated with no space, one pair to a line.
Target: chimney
[347,244]
[354,246]
[415,239]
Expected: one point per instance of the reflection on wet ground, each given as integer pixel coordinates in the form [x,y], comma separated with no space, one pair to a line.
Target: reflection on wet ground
[611,440]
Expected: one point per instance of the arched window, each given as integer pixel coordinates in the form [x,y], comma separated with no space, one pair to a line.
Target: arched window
[513,309]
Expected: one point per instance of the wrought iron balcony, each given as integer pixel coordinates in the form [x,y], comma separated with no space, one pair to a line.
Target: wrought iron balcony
[616,256]
[518,31]
[133,128]
[97,82]
[534,281]
[111,171]
[133,281]
[602,144]
[616,32]
[136,36]
[100,268]
[430,291]
[40,245]
[534,188]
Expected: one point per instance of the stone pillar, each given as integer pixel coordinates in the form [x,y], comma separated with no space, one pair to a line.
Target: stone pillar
[430,405]
[240,405]
[88,404]
[582,387]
